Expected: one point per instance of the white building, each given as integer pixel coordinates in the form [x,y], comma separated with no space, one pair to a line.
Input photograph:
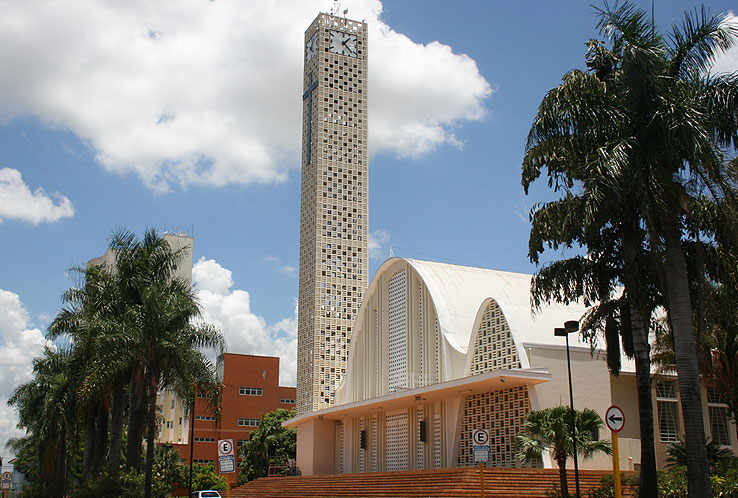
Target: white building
[439,350]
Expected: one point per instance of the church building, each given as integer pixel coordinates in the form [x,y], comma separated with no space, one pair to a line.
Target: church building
[440,350]
[396,374]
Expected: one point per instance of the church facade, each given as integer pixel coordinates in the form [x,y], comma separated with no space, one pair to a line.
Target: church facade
[439,350]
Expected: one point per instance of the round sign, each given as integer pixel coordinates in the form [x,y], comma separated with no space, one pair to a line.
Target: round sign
[614,418]
[7,476]
[225,447]
[480,437]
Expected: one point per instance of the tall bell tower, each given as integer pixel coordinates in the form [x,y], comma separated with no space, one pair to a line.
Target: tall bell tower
[334,205]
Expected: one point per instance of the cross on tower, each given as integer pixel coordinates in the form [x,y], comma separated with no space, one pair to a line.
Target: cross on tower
[312,85]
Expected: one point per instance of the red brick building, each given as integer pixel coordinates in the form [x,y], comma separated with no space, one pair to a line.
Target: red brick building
[250,389]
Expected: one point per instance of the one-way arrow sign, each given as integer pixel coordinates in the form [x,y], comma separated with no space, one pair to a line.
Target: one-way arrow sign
[614,418]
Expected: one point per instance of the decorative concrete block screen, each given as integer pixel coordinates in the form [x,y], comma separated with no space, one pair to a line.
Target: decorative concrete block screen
[503,414]
[419,445]
[339,444]
[397,331]
[374,443]
[436,439]
[396,441]
[494,348]
[362,451]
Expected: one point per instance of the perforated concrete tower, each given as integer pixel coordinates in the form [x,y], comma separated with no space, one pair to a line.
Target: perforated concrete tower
[334,207]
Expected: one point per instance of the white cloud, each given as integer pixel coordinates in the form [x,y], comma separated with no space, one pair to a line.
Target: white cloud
[377,239]
[20,344]
[728,62]
[17,202]
[281,268]
[198,92]
[245,332]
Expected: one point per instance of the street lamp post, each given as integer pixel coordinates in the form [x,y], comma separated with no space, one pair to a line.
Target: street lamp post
[569,327]
[192,437]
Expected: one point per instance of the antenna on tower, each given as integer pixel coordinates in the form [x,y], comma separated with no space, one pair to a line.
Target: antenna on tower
[392,253]
[345,11]
[336,7]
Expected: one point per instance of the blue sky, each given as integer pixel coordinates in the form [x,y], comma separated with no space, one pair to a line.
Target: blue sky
[185,116]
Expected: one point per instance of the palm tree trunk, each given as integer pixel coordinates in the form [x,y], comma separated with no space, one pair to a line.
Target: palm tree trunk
[151,424]
[135,419]
[116,427]
[60,469]
[642,352]
[89,448]
[679,307]
[562,476]
[101,438]
[642,349]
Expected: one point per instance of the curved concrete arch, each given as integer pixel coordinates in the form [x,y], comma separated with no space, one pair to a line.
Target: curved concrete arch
[522,357]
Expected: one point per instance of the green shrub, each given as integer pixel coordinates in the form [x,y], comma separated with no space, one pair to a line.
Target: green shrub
[123,485]
[607,485]
[205,477]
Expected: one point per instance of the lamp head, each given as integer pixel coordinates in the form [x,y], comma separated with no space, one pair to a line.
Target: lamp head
[571,326]
[560,332]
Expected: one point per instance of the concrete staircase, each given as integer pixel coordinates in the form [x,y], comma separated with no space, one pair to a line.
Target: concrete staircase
[446,483]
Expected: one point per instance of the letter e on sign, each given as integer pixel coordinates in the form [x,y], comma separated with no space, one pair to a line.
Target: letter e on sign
[225,447]
[480,437]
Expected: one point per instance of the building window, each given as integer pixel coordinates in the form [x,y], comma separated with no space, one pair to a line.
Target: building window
[287,401]
[718,411]
[204,417]
[202,460]
[248,422]
[251,391]
[241,442]
[204,439]
[666,401]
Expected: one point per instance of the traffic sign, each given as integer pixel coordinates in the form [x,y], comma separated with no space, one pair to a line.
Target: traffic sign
[480,437]
[7,476]
[481,454]
[226,464]
[614,418]
[225,447]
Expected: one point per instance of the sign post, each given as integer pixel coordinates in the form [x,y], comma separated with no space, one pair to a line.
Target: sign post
[226,461]
[615,420]
[7,478]
[480,447]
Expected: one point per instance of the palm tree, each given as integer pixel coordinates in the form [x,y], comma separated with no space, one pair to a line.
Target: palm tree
[594,280]
[47,410]
[550,430]
[643,123]
[85,321]
[162,338]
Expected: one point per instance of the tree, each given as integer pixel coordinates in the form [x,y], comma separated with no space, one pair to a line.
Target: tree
[716,454]
[270,444]
[47,410]
[162,334]
[167,468]
[87,320]
[618,316]
[550,430]
[205,477]
[644,124]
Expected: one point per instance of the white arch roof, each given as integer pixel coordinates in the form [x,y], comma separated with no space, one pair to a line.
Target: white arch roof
[459,291]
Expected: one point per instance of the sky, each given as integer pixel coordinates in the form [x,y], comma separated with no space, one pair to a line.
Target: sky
[184,116]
